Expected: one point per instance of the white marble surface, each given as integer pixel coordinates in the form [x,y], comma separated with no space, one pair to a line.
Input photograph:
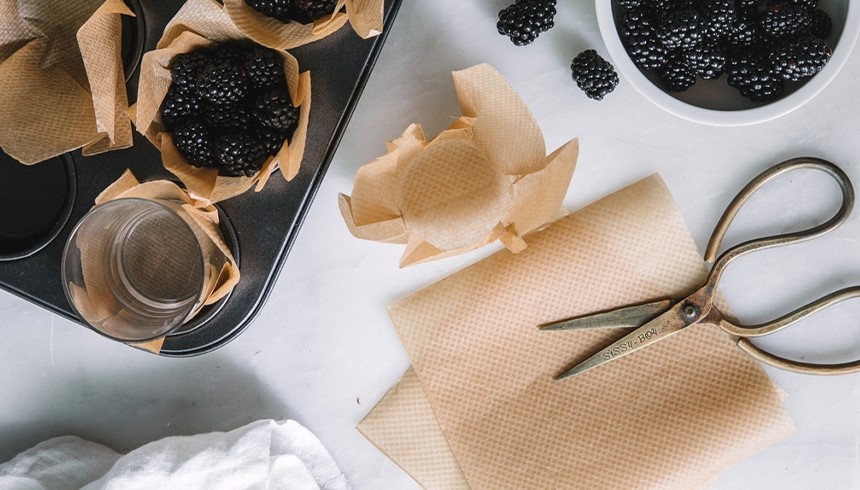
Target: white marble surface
[323,350]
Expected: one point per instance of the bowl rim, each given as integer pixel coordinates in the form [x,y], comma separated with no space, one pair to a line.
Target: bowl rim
[715,117]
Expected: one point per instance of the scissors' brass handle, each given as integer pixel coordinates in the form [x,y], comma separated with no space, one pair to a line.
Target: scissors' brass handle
[744,333]
[797,366]
[783,239]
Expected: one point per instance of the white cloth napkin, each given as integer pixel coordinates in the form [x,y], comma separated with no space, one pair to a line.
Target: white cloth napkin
[262,455]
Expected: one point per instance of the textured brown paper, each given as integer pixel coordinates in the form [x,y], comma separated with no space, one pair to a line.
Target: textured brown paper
[487,177]
[62,76]
[365,16]
[201,217]
[674,415]
[201,24]
[404,427]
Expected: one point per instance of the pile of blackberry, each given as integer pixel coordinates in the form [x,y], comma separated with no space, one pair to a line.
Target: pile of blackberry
[303,11]
[229,108]
[525,20]
[760,46]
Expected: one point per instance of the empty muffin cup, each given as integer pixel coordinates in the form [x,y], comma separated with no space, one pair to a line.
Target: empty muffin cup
[35,203]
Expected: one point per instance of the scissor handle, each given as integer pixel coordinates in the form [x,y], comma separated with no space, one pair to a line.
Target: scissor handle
[737,203]
[744,333]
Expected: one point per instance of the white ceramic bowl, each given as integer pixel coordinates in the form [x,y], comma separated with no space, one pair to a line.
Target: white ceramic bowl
[714,102]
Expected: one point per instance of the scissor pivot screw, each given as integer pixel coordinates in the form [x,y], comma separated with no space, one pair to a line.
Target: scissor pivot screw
[690,311]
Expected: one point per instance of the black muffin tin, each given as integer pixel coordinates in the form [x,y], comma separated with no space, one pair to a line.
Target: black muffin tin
[40,204]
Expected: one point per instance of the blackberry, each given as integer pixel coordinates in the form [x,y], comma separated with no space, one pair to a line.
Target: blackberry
[807,4]
[744,31]
[641,41]
[747,3]
[224,118]
[785,20]
[231,55]
[629,3]
[593,75]
[193,140]
[719,17]
[273,140]
[229,108]
[525,20]
[274,109]
[707,61]
[677,75]
[238,154]
[801,59]
[279,9]
[186,68]
[265,68]
[222,84]
[313,9]
[662,8]
[178,106]
[821,25]
[752,75]
[680,29]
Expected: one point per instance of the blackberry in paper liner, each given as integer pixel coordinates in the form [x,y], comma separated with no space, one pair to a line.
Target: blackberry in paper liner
[63,80]
[206,101]
[220,275]
[486,178]
[286,24]
[221,102]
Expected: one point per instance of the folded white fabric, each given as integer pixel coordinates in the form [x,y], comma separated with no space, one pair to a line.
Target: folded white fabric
[262,455]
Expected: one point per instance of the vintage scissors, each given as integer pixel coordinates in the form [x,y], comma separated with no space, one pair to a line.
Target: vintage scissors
[659,319]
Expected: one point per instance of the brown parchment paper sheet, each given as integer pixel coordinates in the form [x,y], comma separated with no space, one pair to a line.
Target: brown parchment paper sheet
[404,427]
[485,178]
[200,24]
[365,17]
[203,220]
[61,70]
[673,416]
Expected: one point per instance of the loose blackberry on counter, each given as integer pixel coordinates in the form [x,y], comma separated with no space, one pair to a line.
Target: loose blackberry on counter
[225,103]
[525,20]
[593,75]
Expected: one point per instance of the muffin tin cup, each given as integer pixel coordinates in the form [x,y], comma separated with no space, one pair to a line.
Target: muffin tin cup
[262,225]
[35,204]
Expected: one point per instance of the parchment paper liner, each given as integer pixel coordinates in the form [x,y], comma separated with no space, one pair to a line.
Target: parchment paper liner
[201,24]
[487,177]
[203,219]
[61,70]
[365,16]
[673,416]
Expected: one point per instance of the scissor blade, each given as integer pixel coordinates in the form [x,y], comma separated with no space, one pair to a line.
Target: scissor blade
[626,317]
[655,330]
